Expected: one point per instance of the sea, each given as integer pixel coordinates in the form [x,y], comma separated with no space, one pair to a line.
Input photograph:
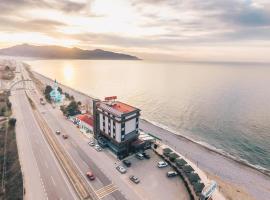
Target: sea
[225,106]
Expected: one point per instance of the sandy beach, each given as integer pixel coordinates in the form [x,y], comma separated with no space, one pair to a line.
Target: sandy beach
[236,180]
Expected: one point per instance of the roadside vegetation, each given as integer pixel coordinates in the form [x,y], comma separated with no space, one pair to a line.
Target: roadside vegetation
[10,173]
[71,109]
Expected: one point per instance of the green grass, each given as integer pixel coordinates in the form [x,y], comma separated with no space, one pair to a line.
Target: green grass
[13,175]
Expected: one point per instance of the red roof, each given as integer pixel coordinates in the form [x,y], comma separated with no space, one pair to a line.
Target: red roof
[86,118]
[122,107]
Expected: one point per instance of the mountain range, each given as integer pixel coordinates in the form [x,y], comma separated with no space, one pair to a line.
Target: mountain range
[59,52]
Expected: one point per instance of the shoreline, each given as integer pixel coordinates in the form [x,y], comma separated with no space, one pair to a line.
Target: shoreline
[211,148]
[226,167]
[207,146]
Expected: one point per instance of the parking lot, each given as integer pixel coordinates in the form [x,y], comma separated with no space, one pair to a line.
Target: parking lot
[154,183]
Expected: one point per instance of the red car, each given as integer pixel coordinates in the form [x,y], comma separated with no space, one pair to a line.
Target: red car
[65,136]
[90,175]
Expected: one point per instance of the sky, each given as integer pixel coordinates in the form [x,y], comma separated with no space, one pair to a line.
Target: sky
[185,30]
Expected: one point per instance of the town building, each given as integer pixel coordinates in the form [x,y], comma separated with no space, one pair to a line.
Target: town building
[55,95]
[116,125]
[84,122]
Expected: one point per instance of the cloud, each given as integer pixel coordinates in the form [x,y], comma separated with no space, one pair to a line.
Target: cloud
[62,5]
[24,25]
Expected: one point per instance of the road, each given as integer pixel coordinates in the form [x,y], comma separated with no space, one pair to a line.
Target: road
[38,159]
[43,177]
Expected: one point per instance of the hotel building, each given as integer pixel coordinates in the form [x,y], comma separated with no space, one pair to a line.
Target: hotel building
[116,125]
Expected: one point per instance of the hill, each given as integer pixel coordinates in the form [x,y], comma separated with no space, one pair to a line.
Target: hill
[59,52]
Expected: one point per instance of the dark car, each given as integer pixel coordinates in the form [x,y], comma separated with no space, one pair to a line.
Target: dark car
[127,163]
[172,174]
[65,136]
[147,156]
[57,132]
[134,179]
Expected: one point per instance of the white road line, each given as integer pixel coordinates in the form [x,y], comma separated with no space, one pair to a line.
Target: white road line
[53,181]
[46,164]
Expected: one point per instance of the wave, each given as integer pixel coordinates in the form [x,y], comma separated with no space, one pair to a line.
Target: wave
[210,147]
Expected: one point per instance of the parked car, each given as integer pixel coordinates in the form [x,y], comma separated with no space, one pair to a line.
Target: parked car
[65,136]
[172,174]
[57,132]
[90,176]
[98,148]
[134,179]
[127,163]
[91,143]
[162,164]
[139,156]
[146,155]
[121,169]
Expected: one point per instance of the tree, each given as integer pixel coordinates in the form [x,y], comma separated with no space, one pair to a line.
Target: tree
[9,105]
[47,91]
[72,109]
[60,90]
[67,95]
[72,98]
[12,122]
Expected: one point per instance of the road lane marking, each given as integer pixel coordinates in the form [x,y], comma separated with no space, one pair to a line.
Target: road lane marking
[107,186]
[46,164]
[105,191]
[53,180]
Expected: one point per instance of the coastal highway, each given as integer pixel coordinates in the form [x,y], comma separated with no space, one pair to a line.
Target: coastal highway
[43,175]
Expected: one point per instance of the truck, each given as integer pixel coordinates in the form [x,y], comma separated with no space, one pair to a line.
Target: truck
[42,102]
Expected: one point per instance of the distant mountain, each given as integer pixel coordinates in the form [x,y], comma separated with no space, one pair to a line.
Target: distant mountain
[58,52]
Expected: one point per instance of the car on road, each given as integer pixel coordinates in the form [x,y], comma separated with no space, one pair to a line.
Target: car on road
[139,156]
[98,148]
[162,164]
[134,179]
[65,136]
[146,155]
[90,176]
[58,132]
[172,174]
[121,169]
[127,163]
[91,143]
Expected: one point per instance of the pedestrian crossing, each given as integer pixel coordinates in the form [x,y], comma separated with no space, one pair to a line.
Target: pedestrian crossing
[104,191]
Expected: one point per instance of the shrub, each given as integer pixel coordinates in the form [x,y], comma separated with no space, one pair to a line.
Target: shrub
[173,156]
[166,151]
[12,122]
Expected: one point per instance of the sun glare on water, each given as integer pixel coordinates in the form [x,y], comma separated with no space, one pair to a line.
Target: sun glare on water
[68,72]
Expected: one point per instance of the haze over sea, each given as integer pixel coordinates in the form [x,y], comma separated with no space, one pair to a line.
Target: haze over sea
[223,105]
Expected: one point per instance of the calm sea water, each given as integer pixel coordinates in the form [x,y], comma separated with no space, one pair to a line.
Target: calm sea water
[224,105]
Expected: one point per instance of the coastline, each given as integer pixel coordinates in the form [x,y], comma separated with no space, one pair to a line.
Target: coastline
[202,144]
[190,147]
[211,148]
